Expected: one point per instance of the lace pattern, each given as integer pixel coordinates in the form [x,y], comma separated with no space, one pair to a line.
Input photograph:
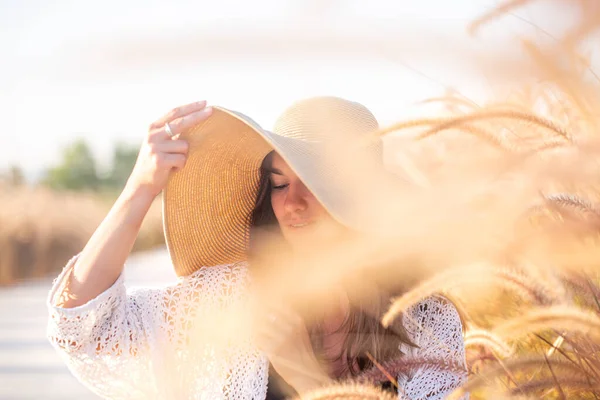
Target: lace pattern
[139,343]
[435,326]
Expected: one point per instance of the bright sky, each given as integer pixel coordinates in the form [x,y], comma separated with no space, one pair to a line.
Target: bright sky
[104,70]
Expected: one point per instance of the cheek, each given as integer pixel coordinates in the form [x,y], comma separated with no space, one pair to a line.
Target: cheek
[277,202]
[316,209]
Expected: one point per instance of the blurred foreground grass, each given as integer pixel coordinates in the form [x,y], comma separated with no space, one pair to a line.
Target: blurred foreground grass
[510,228]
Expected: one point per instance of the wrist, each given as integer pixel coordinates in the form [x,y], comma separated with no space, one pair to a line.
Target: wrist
[139,194]
[133,204]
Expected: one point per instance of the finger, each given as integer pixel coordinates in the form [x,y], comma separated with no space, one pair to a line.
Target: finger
[176,161]
[178,112]
[181,124]
[173,146]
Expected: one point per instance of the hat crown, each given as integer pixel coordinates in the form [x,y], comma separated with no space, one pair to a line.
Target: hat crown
[326,118]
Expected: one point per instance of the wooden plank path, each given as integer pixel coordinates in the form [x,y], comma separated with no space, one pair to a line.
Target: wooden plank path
[29,367]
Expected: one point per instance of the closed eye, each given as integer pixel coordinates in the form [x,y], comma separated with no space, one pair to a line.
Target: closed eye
[280,187]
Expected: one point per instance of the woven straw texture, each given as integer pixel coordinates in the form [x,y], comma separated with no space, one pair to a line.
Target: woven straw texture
[207,204]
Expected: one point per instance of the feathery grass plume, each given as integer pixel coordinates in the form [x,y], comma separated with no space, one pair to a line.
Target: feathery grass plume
[555,103]
[583,288]
[493,114]
[514,366]
[439,283]
[527,288]
[481,274]
[488,136]
[570,245]
[566,213]
[547,145]
[570,201]
[500,10]
[405,365]
[347,391]
[453,102]
[589,23]
[411,124]
[478,358]
[580,291]
[503,110]
[576,211]
[550,65]
[482,337]
[568,318]
[573,384]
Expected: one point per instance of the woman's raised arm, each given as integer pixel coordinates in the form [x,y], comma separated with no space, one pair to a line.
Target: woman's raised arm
[102,259]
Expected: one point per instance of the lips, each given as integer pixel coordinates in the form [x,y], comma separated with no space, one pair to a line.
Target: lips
[299,224]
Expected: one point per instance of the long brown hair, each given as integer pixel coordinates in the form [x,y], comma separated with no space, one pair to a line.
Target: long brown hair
[363,331]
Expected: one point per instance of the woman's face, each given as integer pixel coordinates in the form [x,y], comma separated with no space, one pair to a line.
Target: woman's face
[304,222]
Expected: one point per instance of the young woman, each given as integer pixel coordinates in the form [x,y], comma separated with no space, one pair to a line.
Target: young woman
[231,187]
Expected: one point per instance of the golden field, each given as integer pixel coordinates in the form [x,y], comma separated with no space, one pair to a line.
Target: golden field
[41,229]
[501,212]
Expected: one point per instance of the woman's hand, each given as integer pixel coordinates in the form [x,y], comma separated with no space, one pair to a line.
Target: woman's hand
[283,337]
[160,153]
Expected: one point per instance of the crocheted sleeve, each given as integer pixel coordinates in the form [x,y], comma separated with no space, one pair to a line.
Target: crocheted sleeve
[132,343]
[103,341]
[440,367]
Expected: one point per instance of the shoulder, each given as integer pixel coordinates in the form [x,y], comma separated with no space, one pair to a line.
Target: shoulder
[223,272]
[220,281]
[435,317]
[436,307]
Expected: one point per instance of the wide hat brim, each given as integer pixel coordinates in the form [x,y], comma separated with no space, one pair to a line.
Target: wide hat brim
[207,204]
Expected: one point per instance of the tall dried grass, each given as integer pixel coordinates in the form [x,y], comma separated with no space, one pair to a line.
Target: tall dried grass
[499,211]
[543,339]
[41,229]
[530,293]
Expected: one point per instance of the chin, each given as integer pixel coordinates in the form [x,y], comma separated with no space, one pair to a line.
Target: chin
[311,237]
[298,235]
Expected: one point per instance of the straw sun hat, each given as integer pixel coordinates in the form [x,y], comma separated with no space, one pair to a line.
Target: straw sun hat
[207,204]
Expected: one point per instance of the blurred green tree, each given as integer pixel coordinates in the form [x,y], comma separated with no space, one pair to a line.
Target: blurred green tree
[77,170]
[124,158]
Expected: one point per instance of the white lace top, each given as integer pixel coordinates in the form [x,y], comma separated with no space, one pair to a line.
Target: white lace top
[135,343]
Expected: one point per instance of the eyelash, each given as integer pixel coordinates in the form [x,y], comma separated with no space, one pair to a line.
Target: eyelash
[280,187]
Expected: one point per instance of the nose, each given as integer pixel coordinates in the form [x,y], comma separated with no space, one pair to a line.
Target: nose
[296,198]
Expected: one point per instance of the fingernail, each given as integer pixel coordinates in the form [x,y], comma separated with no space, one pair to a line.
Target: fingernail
[208,110]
